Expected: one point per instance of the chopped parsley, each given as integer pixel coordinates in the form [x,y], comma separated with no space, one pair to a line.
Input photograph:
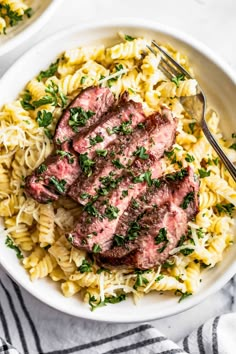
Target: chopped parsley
[49,72]
[133,231]
[79,118]
[141,152]
[135,204]
[203,172]
[162,237]
[118,164]
[225,208]
[234,135]
[86,164]
[181,241]
[189,158]
[42,168]
[160,277]
[67,154]
[140,280]
[44,118]
[96,140]
[129,38]
[183,295]
[100,270]
[82,80]
[48,133]
[168,264]
[108,183]
[118,240]
[54,96]
[12,17]
[146,176]
[233,146]
[84,196]
[187,251]
[177,176]
[108,300]
[141,125]
[85,267]
[70,238]
[177,79]
[26,101]
[187,200]
[96,248]
[91,210]
[191,127]
[111,212]
[111,81]
[124,128]
[124,193]
[101,152]
[59,184]
[10,243]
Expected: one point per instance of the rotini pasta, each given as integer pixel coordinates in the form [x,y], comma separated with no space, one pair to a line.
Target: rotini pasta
[39,230]
[12,12]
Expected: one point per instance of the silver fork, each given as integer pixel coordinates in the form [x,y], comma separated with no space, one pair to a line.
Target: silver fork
[194,105]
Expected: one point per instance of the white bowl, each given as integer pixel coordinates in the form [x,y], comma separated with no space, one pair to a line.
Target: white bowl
[218,81]
[42,11]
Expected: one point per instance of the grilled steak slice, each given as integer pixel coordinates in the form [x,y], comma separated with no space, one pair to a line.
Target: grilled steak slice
[180,188]
[160,231]
[62,168]
[125,116]
[86,109]
[54,176]
[156,136]
[38,191]
[171,188]
[98,222]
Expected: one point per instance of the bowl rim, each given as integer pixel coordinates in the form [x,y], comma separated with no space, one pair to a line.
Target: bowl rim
[29,31]
[185,38]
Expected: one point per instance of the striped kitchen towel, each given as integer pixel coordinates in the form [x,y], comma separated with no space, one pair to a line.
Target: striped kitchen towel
[28,327]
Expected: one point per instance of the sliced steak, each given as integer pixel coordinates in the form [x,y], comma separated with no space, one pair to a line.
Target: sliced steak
[98,222]
[121,120]
[62,168]
[180,189]
[85,110]
[160,231]
[156,135]
[54,176]
[171,188]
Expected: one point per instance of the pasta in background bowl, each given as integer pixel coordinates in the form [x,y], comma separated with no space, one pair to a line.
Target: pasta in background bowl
[21,19]
[212,231]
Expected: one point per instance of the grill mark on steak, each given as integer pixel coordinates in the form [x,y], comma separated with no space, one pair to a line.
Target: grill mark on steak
[128,112]
[156,136]
[171,189]
[101,230]
[96,99]
[60,171]
[146,251]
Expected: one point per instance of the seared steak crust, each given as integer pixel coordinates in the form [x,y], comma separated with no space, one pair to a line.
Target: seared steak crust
[123,117]
[99,228]
[171,190]
[146,251]
[54,176]
[155,136]
[62,168]
[95,99]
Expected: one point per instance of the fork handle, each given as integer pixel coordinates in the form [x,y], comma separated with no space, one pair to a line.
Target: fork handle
[228,164]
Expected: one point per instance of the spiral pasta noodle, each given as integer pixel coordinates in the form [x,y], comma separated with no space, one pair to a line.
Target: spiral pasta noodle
[39,229]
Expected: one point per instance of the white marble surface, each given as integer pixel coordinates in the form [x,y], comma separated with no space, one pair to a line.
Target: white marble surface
[212,22]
